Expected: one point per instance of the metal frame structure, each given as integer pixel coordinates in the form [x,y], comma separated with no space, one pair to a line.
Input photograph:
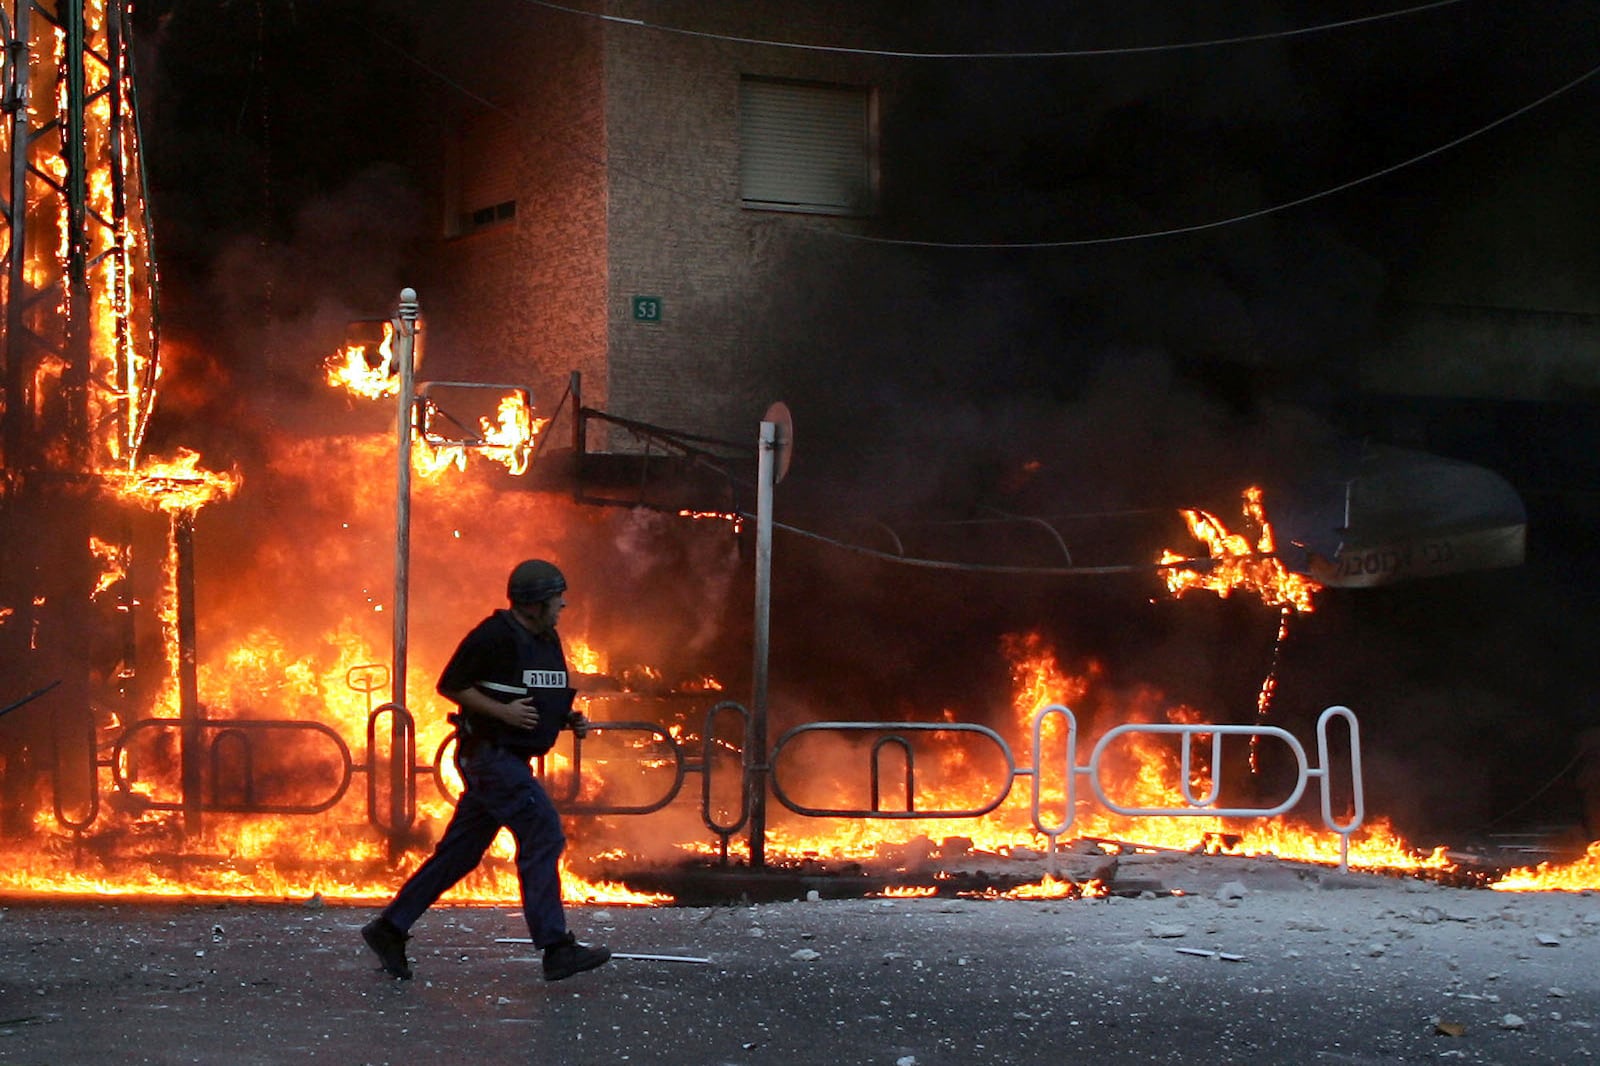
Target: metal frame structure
[79,352]
[81,325]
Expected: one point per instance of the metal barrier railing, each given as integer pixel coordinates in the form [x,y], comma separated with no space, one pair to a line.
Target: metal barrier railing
[571,780]
[239,735]
[1194,806]
[893,731]
[80,722]
[1205,806]
[230,747]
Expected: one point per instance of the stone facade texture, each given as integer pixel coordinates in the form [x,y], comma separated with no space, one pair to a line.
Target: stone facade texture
[625,144]
[521,301]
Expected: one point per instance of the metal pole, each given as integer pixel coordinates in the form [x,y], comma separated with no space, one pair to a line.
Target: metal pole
[18,70]
[191,716]
[405,329]
[580,434]
[756,753]
[580,426]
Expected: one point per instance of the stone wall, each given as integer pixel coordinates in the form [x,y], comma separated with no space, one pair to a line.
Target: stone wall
[521,301]
[676,229]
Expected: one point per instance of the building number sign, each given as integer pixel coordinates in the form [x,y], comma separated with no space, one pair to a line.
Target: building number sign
[647,309]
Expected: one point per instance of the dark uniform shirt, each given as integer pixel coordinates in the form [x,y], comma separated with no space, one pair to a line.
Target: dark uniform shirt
[506,662]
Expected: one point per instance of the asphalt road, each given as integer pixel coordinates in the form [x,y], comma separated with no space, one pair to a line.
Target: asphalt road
[1295,971]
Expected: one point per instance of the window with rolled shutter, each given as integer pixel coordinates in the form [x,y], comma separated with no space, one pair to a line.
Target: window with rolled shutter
[806,147]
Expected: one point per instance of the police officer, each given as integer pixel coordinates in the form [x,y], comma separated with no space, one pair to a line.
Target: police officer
[508,676]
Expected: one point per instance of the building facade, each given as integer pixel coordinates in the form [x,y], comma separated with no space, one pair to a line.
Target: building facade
[660,197]
[613,198]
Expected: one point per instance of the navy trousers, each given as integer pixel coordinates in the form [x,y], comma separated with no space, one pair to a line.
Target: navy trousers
[500,791]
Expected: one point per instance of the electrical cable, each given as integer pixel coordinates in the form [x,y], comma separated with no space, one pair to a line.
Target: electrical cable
[1535,794]
[1233,219]
[1073,53]
[1083,242]
[986,568]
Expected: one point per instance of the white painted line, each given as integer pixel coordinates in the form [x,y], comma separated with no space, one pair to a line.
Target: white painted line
[616,954]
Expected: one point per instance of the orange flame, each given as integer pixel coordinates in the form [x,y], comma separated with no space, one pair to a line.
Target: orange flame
[584,658]
[1236,563]
[307,678]
[735,520]
[173,487]
[1051,887]
[113,564]
[360,370]
[1580,875]
[507,439]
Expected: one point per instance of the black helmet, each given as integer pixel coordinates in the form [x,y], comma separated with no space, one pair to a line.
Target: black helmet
[534,581]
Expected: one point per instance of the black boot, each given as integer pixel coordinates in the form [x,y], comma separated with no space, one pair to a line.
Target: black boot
[567,957]
[389,944]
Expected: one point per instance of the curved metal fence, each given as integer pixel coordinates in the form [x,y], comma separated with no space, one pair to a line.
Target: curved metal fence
[233,751]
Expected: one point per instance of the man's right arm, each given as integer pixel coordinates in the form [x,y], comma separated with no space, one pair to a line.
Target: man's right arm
[475,658]
[519,714]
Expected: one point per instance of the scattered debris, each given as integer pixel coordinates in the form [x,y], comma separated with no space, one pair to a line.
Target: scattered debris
[1130,847]
[616,954]
[1203,953]
[1306,924]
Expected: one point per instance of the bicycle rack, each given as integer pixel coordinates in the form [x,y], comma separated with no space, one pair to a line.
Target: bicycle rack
[1205,806]
[231,748]
[895,734]
[239,735]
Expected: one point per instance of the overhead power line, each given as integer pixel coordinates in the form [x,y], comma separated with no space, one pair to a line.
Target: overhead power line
[1198,227]
[1059,53]
[991,568]
[1082,242]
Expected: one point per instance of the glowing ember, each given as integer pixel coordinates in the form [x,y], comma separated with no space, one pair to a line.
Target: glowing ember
[1237,563]
[735,520]
[1057,888]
